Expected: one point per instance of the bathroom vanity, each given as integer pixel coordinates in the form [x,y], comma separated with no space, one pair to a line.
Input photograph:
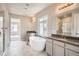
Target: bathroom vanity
[66,41]
[62,45]
[59,46]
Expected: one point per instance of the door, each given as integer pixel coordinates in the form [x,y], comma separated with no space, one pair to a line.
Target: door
[4,29]
[4,32]
[1,35]
[58,48]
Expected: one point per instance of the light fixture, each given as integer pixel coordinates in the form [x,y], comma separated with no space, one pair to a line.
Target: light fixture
[65,6]
[33,19]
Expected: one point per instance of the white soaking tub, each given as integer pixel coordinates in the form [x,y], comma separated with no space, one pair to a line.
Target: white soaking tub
[37,43]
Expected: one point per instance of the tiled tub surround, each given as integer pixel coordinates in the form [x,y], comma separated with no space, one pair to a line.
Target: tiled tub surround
[61,45]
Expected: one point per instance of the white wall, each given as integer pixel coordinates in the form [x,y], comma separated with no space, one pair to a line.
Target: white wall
[50,11]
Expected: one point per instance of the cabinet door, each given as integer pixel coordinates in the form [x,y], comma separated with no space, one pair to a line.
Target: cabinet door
[58,50]
[49,47]
[71,53]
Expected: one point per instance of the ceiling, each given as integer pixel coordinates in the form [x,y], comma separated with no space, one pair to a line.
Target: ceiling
[27,9]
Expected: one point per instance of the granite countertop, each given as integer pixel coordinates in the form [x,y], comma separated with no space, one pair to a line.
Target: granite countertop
[69,41]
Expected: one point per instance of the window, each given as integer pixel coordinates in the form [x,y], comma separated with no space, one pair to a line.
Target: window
[14,27]
[43,25]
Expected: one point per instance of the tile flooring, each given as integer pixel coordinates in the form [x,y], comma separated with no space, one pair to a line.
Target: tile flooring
[19,48]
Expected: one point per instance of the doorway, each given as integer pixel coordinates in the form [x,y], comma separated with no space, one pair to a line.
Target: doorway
[15,29]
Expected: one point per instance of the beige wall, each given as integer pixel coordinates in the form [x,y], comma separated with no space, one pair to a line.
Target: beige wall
[26,25]
[50,11]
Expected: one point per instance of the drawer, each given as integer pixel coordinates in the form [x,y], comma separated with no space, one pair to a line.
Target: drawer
[71,53]
[75,48]
[58,43]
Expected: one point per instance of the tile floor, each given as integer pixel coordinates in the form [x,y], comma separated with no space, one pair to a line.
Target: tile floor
[19,48]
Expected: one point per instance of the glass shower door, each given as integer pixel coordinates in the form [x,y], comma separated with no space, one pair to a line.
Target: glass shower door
[1,35]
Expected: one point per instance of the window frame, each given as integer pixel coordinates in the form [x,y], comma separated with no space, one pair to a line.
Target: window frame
[45,22]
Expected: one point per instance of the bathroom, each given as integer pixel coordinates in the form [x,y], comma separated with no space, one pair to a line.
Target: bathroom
[39,29]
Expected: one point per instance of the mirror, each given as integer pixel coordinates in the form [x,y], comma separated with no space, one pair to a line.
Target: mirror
[64,24]
[68,25]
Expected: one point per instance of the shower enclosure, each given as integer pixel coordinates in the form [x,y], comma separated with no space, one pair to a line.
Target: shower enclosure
[1,34]
[4,29]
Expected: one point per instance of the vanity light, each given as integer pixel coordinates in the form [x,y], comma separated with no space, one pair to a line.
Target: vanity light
[65,6]
[33,19]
